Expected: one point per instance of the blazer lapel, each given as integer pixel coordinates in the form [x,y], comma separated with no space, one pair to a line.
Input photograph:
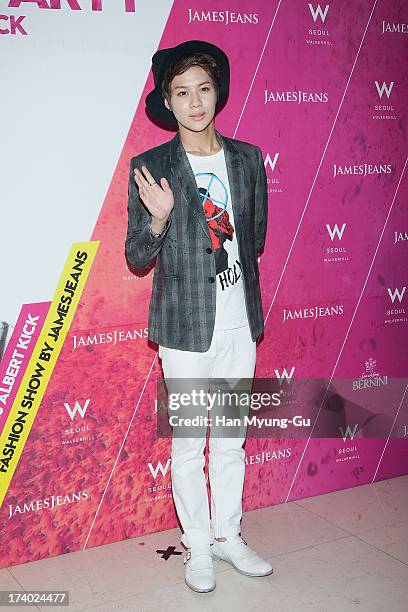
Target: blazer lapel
[182,171]
[236,176]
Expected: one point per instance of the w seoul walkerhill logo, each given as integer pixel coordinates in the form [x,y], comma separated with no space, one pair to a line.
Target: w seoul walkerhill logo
[77,433]
[335,252]
[160,490]
[163,469]
[223,17]
[318,33]
[384,88]
[347,452]
[348,432]
[396,313]
[386,108]
[285,375]
[272,176]
[81,410]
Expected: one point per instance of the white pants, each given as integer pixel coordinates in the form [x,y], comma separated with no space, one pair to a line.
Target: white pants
[232,355]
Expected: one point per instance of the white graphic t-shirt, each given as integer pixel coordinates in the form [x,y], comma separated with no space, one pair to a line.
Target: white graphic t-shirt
[211,177]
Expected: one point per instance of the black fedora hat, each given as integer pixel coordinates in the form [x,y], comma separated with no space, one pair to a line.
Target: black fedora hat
[162,59]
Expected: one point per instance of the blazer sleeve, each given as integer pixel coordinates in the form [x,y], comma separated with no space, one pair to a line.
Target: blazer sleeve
[261,204]
[141,246]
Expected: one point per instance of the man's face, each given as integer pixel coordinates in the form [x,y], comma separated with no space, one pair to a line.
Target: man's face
[193,99]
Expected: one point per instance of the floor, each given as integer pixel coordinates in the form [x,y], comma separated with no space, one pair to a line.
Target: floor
[346,550]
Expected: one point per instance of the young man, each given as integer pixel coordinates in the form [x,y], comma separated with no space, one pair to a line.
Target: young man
[199,203]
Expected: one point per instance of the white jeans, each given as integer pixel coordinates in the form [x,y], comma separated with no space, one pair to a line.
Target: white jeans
[232,355]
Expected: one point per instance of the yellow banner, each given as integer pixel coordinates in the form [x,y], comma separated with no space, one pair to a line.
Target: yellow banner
[43,359]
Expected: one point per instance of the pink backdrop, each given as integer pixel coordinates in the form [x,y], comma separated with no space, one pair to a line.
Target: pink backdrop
[93,442]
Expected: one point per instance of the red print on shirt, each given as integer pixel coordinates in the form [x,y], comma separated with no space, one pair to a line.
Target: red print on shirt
[220,230]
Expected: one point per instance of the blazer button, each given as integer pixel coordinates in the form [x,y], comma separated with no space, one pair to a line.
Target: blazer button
[211,279]
[209,250]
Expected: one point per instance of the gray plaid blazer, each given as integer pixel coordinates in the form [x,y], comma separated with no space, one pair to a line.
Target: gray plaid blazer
[182,305]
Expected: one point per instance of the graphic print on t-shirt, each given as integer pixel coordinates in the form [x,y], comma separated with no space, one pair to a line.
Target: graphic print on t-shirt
[214,198]
[211,177]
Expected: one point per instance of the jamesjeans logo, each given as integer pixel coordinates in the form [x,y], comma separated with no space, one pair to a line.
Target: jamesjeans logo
[361,169]
[225,17]
[298,96]
[400,237]
[400,28]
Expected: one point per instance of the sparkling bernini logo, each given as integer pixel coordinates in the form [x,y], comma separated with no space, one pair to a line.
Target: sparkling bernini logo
[223,17]
[370,368]
[369,378]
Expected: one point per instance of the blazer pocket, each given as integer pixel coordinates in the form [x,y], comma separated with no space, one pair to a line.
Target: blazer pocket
[166,289]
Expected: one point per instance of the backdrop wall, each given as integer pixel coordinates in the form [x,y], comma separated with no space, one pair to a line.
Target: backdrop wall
[322,89]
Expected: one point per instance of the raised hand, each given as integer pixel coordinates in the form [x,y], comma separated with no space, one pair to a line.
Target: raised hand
[158,199]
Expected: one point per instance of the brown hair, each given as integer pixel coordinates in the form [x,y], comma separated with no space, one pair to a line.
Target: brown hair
[185,62]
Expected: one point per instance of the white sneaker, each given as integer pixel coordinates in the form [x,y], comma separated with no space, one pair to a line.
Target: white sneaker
[199,572]
[237,552]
